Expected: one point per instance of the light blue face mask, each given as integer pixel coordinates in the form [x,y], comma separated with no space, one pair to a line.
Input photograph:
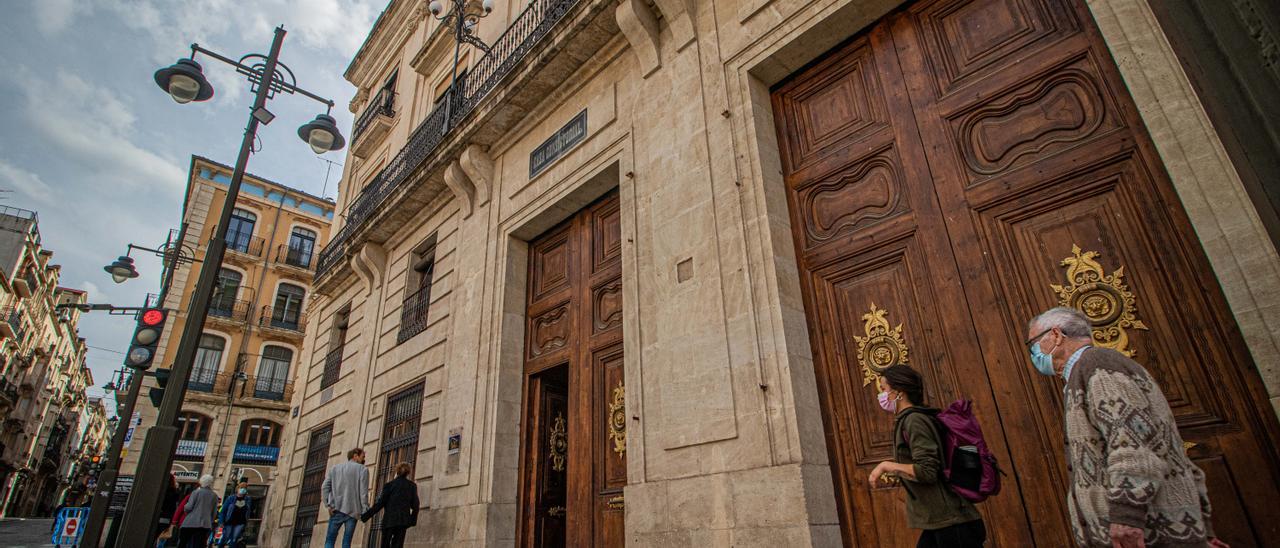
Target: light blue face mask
[1042,361]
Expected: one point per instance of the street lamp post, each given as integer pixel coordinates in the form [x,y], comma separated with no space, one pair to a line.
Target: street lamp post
[462,21]
[185,82]
[100,501]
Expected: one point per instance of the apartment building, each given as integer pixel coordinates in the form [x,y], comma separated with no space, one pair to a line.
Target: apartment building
[238,395]
[43,375]
[626,272]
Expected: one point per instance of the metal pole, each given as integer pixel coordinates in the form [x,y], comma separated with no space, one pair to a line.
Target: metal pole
[226,421]
[138,526]
[101,500]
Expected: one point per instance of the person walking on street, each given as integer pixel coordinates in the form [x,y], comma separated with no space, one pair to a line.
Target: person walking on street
[945,518]
[234,515]
[167,508]
[199,512]
[1132,484]
[399,503]
[345,494]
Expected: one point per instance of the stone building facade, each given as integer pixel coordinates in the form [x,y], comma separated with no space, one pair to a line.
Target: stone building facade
[237,398]
[630,279]
[43,376]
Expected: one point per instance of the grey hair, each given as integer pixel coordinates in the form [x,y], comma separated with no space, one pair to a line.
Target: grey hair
[206,481]
[1073,323]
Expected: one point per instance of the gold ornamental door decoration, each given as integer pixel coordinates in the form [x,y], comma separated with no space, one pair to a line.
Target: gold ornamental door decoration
[881,347]
[1104,299]
[558,443]
[618,420]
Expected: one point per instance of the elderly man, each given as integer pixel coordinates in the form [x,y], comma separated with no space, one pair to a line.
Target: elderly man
[345,494]
[1131,483]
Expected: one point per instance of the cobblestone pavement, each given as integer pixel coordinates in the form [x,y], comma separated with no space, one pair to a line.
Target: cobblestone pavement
[25,533]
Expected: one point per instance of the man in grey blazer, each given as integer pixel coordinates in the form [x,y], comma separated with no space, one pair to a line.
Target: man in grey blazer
[346,495]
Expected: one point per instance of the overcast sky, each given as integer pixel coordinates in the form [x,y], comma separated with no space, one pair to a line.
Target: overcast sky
[89,141]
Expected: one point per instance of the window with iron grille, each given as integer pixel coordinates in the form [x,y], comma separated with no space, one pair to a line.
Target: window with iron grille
[417,297]
[337,344]
[304,520]
[208,360]
[302,244]
[288,308]
[224,293]
[400,427]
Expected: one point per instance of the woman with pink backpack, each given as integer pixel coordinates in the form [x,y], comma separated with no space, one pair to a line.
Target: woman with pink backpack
[945,516]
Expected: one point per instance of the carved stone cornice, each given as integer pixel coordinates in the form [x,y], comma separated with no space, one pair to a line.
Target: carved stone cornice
[392,29]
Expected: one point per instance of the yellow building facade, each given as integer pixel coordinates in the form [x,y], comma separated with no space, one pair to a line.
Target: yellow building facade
[238,395]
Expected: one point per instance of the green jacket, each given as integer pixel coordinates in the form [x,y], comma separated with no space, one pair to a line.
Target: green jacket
[930,503]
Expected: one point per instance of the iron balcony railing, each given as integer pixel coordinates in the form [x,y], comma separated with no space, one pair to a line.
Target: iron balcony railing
[8,390]
[33,282]
[300,257]
[245,243]
[289,318]
[191,449]
[413,314]
[235,310]
[255,454]
[268,388]
[207,380]
[382,104]
[504,55]
[14,318]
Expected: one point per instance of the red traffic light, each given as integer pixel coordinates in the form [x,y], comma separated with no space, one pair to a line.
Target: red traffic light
[153,317]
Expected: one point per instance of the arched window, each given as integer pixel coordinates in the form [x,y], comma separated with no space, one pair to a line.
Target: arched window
[259,432]
[207,362]
[302,244]
[223,302]
[273,373]
[240,229]
[287,312]
[193,426]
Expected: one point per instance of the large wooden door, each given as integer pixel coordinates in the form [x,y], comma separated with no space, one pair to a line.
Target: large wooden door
[959,167]
[573,465]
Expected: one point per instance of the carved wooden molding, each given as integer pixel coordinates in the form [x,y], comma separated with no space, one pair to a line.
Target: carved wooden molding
[679,16]
[640,26]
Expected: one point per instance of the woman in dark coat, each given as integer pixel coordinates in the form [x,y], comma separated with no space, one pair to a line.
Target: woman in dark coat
[399,499]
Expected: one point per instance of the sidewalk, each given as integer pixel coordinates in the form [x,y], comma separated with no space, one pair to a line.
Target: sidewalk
[26,533]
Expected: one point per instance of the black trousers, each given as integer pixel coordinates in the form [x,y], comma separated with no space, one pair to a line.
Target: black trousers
[971,534]
[193,537]
[393,537]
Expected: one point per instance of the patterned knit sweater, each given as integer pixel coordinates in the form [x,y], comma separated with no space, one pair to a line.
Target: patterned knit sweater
[1126,458]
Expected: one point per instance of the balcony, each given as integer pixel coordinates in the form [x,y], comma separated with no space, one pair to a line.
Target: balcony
[297,257]
[245,245]
[229,310]
[12,323]
[268,388]
[288,319]
[374,123]
[208,380]
[190,450]
[8,393]
[255,454]
[27,283]
[503,85]
[413,315]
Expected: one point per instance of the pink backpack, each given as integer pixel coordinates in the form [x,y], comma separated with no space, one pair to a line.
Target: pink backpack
[968,466]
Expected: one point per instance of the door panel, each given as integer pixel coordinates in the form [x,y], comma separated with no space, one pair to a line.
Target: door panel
[962,166]
[573,342]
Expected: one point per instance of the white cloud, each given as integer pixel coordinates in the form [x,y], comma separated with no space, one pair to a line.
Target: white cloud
[92,289]
[91,126]
[52,16]
[26,183]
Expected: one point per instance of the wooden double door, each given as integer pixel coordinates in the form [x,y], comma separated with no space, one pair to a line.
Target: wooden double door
[573,465]
[959,167]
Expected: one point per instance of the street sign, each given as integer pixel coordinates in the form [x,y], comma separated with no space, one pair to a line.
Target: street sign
[67,529]
[120,496]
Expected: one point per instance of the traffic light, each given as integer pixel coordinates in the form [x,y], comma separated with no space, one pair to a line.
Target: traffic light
[157,393]
[146,337]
